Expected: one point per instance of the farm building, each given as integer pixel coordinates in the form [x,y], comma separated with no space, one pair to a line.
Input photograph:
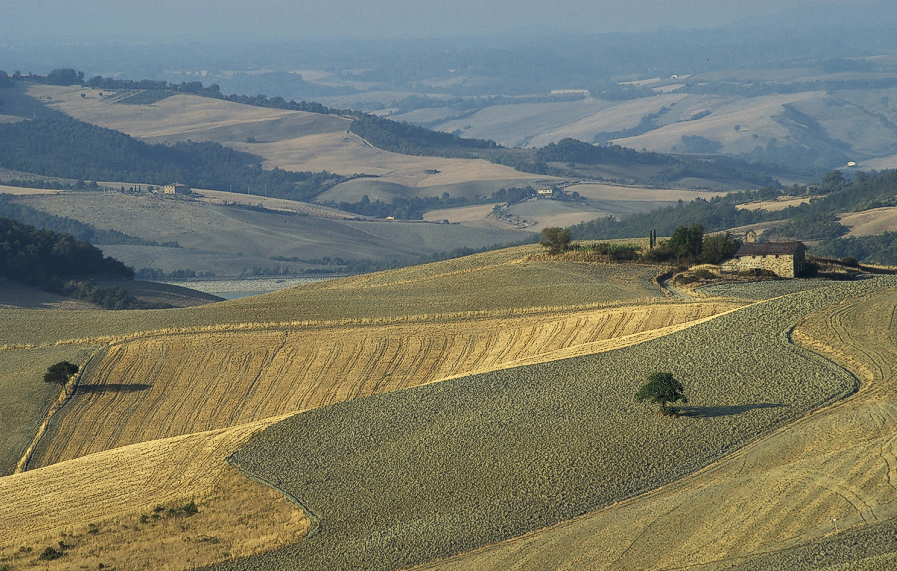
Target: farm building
[785,259]
[545,193]
[176,188]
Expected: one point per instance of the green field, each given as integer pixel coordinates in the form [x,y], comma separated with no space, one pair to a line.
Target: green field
[417,475]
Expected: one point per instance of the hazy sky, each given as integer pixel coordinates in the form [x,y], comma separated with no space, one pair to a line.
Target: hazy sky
[361,18]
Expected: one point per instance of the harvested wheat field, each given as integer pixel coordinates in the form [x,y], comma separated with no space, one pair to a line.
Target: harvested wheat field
[823,482]
[130,508]
[139,390]
[418,475]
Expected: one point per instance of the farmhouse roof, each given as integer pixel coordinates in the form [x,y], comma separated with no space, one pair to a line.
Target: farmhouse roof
[768,248]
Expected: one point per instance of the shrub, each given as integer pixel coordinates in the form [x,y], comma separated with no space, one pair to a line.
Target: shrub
[51,554]
[556,239]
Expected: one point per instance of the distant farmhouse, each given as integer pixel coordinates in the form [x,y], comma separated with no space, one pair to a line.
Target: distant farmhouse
[785,259]
[176,188]
[545,193]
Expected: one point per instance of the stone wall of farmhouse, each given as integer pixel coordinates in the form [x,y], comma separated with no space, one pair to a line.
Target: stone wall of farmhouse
[782,265]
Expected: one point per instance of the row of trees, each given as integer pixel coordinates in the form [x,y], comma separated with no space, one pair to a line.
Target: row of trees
[687,245]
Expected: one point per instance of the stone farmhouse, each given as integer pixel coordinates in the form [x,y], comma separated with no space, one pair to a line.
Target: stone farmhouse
[176,188]
[785,259]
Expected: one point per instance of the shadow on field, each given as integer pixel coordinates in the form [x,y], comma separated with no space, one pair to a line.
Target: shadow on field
[714,411]
[113,388]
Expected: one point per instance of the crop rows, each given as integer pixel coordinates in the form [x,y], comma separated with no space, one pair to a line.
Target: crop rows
[403,478]
[762,289]
[139,390]
[117,482]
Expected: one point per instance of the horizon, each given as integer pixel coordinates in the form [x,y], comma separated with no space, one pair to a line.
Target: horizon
[43,21]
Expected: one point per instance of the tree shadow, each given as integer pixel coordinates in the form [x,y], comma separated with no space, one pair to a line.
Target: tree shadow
[715,411]
[113,388]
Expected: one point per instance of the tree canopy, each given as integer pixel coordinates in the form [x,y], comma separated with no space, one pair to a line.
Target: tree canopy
[661,388]
[556,239]
[60,372]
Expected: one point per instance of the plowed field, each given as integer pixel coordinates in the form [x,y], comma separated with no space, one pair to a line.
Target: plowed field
[164,386]
[831,471]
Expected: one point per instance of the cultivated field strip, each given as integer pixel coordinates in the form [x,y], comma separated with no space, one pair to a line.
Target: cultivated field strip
[414,476]
[831,471]
[143,389]
[121,481]
[431,291]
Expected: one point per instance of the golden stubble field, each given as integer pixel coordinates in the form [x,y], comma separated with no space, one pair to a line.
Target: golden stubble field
[169,385]
[831,471]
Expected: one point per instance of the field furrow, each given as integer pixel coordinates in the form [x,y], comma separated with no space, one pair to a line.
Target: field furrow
[414,476]
[783,502]
[104,506]
[141,389]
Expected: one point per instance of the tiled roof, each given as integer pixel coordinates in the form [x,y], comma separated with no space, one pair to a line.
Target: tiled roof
[768,248]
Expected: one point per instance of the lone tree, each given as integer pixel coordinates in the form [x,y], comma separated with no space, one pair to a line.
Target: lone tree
[662,388]
[556,239]
[60,372]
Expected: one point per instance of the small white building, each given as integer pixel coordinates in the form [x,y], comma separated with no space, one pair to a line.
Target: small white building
[545,193]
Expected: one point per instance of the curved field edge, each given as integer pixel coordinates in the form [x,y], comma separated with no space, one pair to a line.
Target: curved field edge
[117,507]
[140,390]
[417,475]
[779,502]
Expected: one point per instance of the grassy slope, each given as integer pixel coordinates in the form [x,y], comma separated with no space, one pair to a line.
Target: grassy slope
[292,140]
[26,398]
[228,240]
[117,492]
[779,492]
[517,329]
[137,391]
[407,477]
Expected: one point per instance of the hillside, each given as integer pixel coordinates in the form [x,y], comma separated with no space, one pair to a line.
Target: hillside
[425,343]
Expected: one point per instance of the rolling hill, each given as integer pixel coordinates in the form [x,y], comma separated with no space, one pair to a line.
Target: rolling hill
[401,360]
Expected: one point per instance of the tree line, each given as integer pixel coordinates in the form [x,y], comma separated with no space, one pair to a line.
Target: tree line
[64,147]
[36,257]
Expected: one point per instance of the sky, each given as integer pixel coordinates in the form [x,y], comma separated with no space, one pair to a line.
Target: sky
[41,20]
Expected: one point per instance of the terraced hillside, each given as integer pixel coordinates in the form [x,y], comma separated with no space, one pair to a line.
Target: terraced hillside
[398,479]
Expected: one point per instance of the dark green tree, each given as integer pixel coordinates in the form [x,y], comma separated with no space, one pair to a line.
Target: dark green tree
[661,388]
[719,248]
[556,239]
[687,241]
[60,372]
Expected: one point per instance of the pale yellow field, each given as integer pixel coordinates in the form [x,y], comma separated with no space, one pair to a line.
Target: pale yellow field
[754,115]
[105,507]
[871,222]
[617,193]
[292,140]
[830,471]
[775,205]
[140,390]
[182,117]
